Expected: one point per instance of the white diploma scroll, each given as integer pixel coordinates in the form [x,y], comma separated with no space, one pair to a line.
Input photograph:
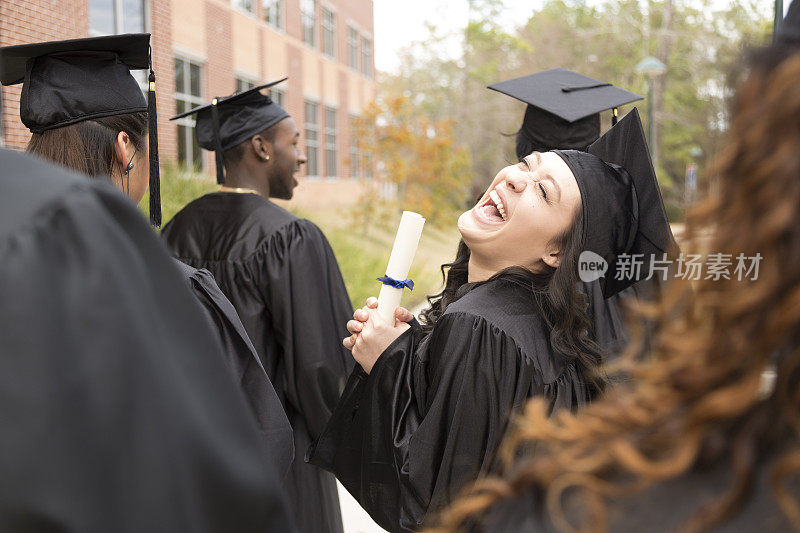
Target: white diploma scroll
[405,246]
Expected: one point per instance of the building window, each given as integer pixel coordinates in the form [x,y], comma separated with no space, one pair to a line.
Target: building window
[328,32]
[366,57]
[278,96]
[188,95]
[368,166]
[308,11]
[312,139]
[273,13]
[330,142]
[354,155]
[108,17]
[243,83]
[245,6]
[352,48]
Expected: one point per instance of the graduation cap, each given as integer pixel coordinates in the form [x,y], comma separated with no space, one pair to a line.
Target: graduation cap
[789,29]
[228,122]
[563,107]
[66,82]
[622,206]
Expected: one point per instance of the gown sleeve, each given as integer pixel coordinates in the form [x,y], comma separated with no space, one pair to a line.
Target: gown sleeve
[428,419]
[242,359]
[118,413]
[309,308]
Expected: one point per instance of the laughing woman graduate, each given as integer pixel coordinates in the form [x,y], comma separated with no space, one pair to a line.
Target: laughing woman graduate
[425,409]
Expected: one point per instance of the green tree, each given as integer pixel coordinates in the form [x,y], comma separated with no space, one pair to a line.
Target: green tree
[702,46]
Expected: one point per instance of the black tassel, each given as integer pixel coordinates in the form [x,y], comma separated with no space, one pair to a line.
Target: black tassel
[614,116]
[218,155]
[155,174]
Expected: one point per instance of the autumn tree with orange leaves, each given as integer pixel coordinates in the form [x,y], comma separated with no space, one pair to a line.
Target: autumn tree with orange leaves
[419,156]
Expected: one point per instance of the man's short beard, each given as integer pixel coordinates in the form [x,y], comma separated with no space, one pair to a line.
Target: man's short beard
[281,188]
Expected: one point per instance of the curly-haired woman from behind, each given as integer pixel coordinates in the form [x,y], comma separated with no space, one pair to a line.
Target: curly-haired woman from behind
[706,437]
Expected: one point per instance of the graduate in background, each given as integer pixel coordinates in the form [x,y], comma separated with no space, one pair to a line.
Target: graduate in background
[280,273]
[87,113]
[563,112]
[706,437]
[426,408]
[117,413]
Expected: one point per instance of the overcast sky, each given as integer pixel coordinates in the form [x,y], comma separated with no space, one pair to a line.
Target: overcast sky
[399,22]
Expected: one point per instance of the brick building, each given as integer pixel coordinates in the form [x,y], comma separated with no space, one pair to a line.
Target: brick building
[207,48]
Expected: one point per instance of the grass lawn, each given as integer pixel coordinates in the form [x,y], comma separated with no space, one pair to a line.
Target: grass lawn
[361,258]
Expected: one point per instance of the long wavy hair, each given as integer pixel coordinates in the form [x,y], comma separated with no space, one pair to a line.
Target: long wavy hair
[702,398]
[554,292]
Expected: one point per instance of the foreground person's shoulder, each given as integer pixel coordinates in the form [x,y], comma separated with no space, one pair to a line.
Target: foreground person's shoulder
[31,186]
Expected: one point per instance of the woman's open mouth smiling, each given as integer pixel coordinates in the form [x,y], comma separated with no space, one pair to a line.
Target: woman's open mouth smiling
[491,211]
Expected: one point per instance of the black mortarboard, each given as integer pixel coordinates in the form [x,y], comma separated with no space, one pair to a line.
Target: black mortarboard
[228,122]
[789,29]
[563,107]
[65,82]
[622,206]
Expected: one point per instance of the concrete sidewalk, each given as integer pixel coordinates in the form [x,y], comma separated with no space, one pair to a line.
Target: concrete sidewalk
[355,519]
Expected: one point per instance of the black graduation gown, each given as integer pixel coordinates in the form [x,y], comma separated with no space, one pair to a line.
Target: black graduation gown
[241,357]
[429,417]
[116,411]
[281,275]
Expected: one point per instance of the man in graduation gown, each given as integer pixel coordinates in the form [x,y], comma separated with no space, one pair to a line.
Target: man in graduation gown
[116,409]
[65,84]
[278,271]
[563,112]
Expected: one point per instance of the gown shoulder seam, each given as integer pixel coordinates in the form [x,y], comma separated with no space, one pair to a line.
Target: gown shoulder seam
[567,364]
[257,249]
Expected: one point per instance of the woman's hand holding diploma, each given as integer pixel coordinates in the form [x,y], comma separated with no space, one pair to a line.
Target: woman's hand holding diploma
[381,321]
[371,335]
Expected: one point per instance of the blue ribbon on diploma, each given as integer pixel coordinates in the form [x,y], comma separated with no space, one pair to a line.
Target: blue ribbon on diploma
[396,283]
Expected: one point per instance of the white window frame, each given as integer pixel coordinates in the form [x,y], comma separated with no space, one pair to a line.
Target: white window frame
[189,121]
[235,4]
[315,144]
[328,29]
[278,96]
[266,7]
[368,163]
[246,79]
[119,17]
[366,65]
[147,20]
[329,147]
[355,156]
[353,48]
[304,16]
